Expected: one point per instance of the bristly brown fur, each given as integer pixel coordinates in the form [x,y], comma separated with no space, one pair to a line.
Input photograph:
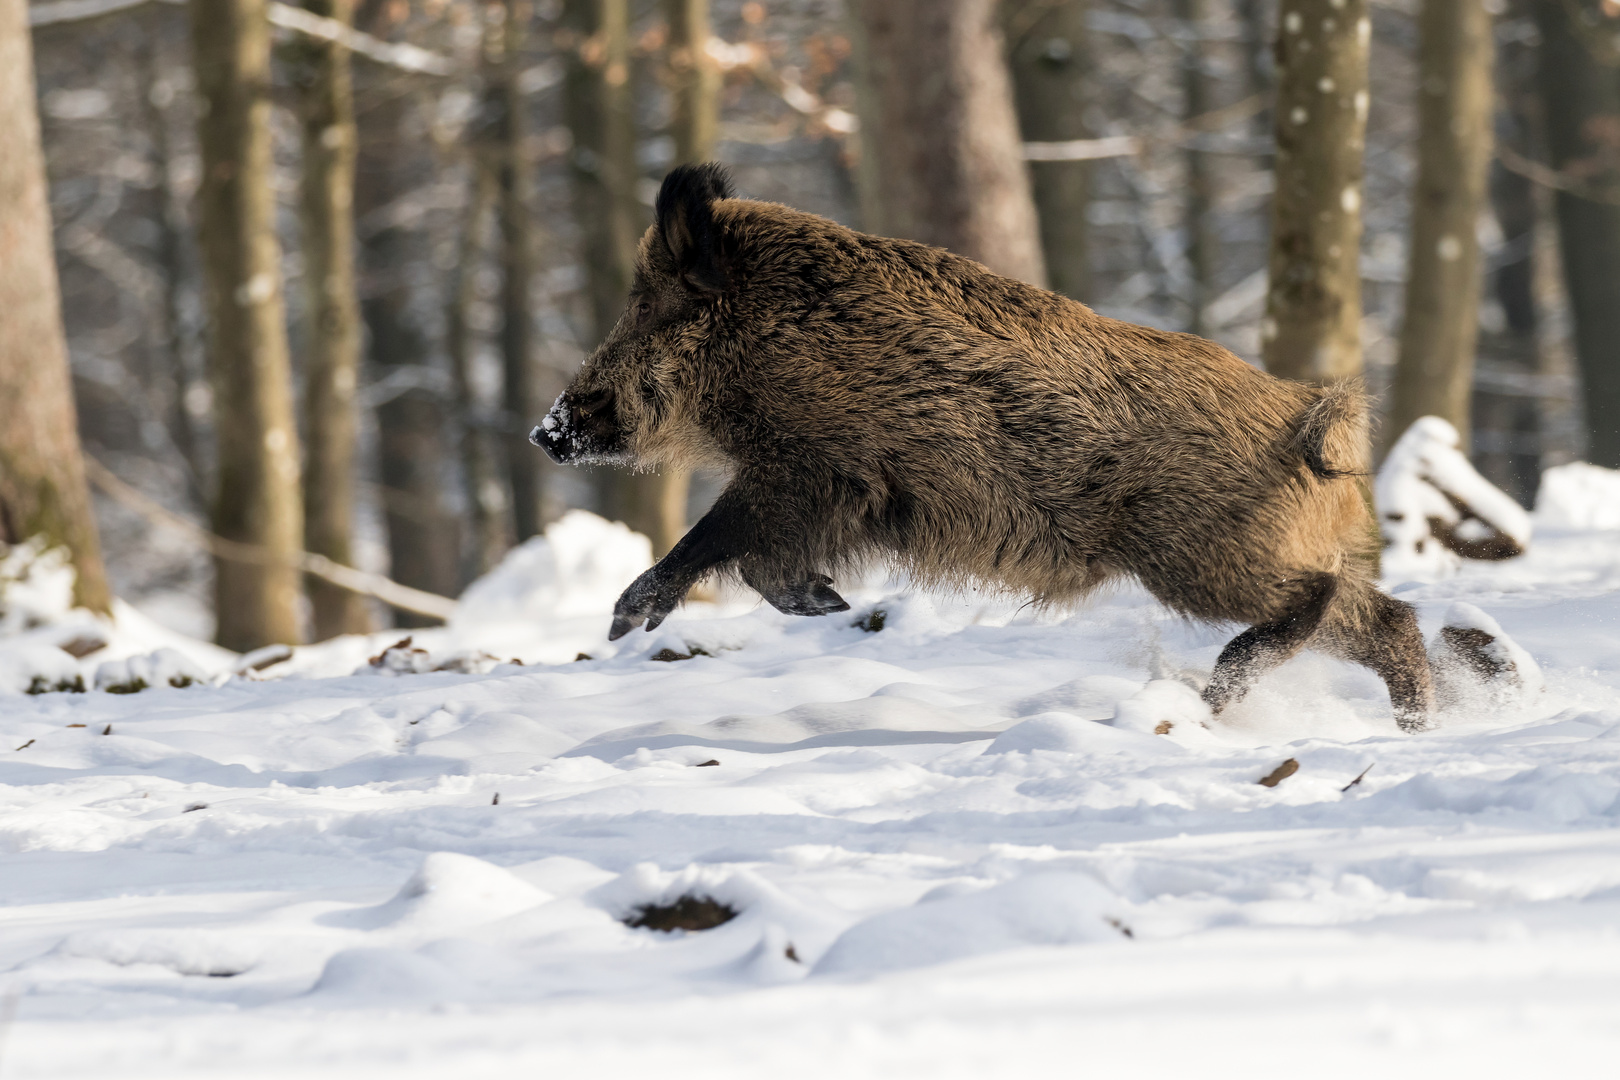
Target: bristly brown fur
[880,398]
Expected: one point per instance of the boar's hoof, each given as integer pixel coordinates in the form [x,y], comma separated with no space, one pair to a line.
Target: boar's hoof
[813,597]
[650,598]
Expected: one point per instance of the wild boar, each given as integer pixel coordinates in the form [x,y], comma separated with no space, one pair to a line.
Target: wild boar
[873,397]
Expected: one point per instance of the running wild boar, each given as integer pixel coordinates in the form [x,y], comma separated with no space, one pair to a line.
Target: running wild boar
[880,398]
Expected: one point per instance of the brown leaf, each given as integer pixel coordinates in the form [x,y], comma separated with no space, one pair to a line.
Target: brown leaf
[1280,773]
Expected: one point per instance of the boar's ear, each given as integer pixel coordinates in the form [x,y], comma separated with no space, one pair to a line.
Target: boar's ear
[686,223]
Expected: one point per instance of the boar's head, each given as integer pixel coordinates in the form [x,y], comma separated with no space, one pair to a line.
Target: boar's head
[630,401]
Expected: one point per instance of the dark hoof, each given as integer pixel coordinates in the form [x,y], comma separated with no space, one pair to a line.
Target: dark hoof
[813,597]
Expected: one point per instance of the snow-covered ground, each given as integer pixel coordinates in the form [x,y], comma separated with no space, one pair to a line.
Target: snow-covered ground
[956,844]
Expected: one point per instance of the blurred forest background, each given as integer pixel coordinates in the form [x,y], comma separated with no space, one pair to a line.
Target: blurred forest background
[322,266]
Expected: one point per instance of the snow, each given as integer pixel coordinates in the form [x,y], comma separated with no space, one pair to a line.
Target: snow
[1421,476]
[958,846]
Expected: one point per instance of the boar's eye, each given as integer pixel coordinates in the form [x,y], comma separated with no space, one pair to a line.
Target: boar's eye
[643,309]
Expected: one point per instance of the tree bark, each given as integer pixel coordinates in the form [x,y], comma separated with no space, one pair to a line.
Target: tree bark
[42,485]
[331,374]
[601,115]
[1202,245]
[1312,328]
[486,493]
[257,501]
[1047,50]
[1455,106]
[1508,437]
[515,181]
[413,448]
[1580,79]
[696,128]
[940,135]
[696,81]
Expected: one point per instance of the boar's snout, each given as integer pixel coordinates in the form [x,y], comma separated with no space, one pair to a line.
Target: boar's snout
[580,428]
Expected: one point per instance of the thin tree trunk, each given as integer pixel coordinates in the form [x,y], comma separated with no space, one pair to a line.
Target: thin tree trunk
[172,369]
[515,181]
[1312,328]
[1580,78]
[1047,50]
[42,485]
[601,115]
[1257,28]
[486,493]
[1508,439]
[1455,107]
[413,450]
[697,81]
[258,493]
[940,134]
[696,127]
[331,374]
[1198,226]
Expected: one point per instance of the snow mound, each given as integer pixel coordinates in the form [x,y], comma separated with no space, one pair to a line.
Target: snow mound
[578,567]
[1037,909]
[387,974]
[1161,707]
[450,890]
[1579,496]
[161,667]
[1419,489]
[1477,666]
[36,585]
[185,952]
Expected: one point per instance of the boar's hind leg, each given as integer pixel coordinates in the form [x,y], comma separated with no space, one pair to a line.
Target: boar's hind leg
[1368,628]
[1261,648]
[812,597]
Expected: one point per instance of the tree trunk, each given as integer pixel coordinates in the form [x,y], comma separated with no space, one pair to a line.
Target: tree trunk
[1508,439]
[1047,49]
[1312,328]
[413,450]
[1198,226]
[601,115]
[485,491]
[940,134]
[331,373]
[1580,80]
[696,79]
[1455,107]
[258,492]
[42,485]
[1257,26]
[515,182]
[696,128]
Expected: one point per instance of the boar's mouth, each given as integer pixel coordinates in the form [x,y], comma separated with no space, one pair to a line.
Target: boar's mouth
[580,429]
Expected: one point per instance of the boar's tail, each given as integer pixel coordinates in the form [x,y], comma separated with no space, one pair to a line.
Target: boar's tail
[1337,406]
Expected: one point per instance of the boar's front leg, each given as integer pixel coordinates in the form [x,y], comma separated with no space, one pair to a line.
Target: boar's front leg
[732,529]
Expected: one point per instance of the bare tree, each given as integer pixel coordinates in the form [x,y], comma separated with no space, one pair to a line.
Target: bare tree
[695,76]
[1202,244]
[1580,79]
[257,500]
[514,180]
[487,495]
[414,451]
[1313,309]
[1455,106]
[601,115]
[331,371]
[42,485]
[940,135]
[1046,45]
